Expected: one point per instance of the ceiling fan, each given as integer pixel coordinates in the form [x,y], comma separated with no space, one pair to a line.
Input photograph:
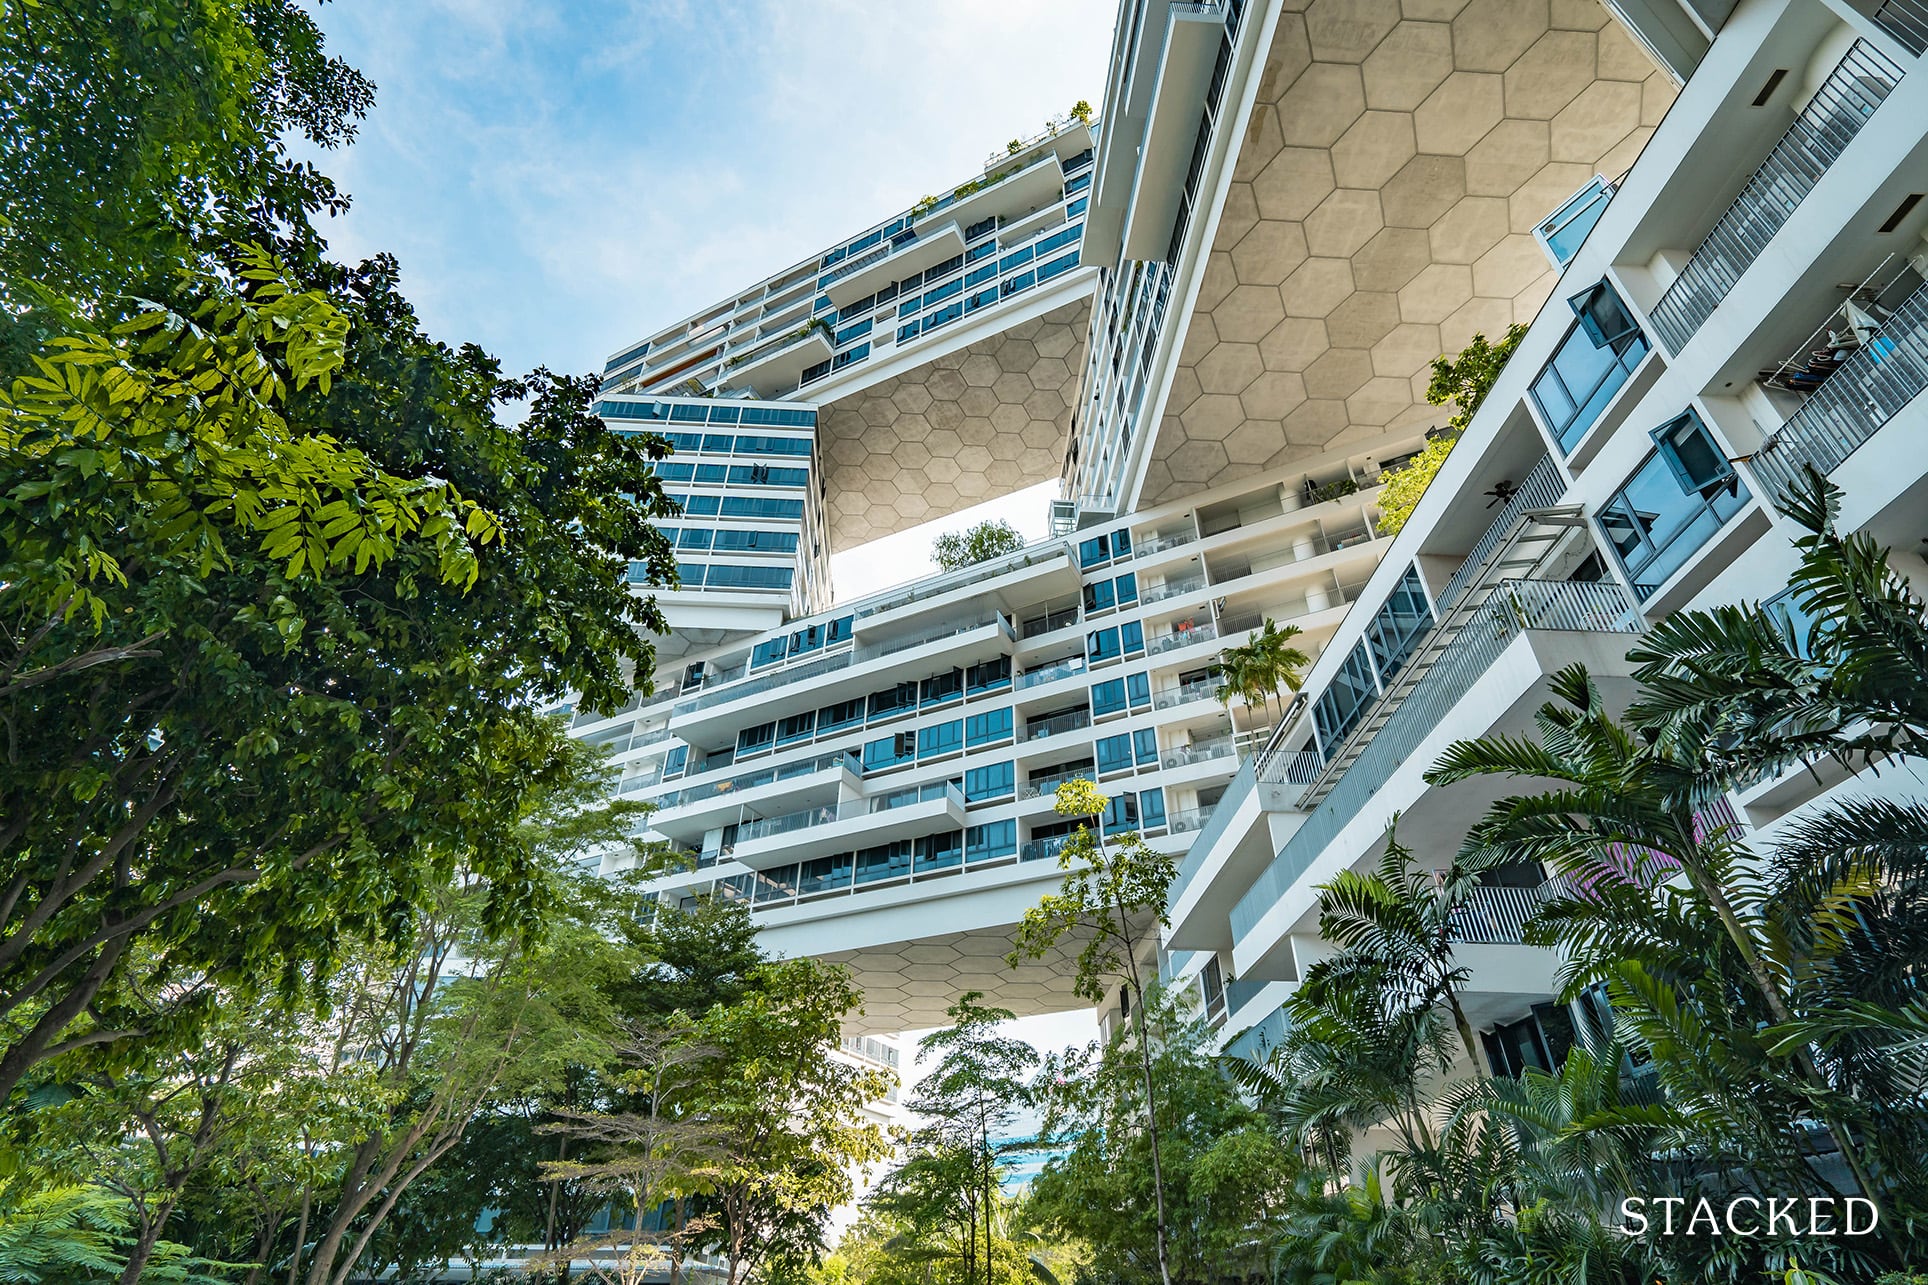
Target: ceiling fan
[1501,491]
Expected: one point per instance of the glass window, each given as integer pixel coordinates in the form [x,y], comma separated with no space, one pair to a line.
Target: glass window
[843,714]
[988,295]
[725,576]
[1591,363]
[1022,281]
[991,840]
[1114,753]
[739,506]
[705,506]
[1102,645]
[807,639]
[944,738]
[769,652]
[1151,809]
[760,737]
[885,861]
[1016,259]
[1127,586]
[1093,551]
[1132,634]
[1138,686]
[1689,450]
[975,275]
[1144,744]
[1342,702]
[941,689]
[825,874]
[940,851]
[693,538]
[892,701]
[890,751]
[988,728]
[1399,624]
[839,630]
[718,443]
[797,727]
[776,885]
[856,330]
[944,291]
[1098,596]
[1108,697]
[712,473]
[989,676]
[772,445]
[757,541]
[949,312]
[768,475]
[982,784]
[1566,228]
[1121,814]
[1655,524]
[1048,270]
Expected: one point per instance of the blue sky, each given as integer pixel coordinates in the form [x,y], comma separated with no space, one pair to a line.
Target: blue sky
[560,178]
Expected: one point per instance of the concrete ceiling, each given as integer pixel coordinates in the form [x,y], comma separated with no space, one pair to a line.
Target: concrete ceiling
[908,985]
[1381,212]
[974,424]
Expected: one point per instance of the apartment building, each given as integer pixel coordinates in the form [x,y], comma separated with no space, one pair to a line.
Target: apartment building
[1212,318]
[1747,301]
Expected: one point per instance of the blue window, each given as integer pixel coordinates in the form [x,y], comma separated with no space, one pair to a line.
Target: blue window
[817,371]
[1022,281]
[1139,686]
[724,576]
[914,304]
[981,228]
[797,727]
[807,639]
[982,250]
[843,714]
[949,312]
[908,332]
[856,330]
[1099,596]
[750,445]
[988,295]
[944,292]
[941,689]
[849,355]
[1077,207]
[885,861]
[1151,809]
[890,751]
[674,761]
[1102,645]
[1093,551]
[767,475]
[982,784]
[944,738]
[1144,744]
[839,630]
[1077,184]
[991,840]
[769,652]
[739,506]
[1048,270]
[893,701]
[1399,625]
[673,472]
[752,739]
[689,414]
[940,851]
[1594,359]
[1563,230]
[1121,814]
[725,414]
[757,541]
[712,473]
[1114,753]
[988,728]
[693,538]
[1339,706]
[1132,633]
[1127,587]
[1065,237]
[1108,697]
[1016,259]
[825,874]
[705,506]
[1658,519]
[719,443]
[976,275]
[988,676]
[685,441]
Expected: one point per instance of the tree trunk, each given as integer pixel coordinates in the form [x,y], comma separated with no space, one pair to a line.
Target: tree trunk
[301,1239]
[142,1250]
[1151,1100]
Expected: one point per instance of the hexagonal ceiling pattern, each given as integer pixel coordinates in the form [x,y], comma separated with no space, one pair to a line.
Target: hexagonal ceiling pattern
[966,427]
[1381,212]
[908,985]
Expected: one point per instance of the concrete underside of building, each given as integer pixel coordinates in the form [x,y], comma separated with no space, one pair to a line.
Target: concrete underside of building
[1381,211]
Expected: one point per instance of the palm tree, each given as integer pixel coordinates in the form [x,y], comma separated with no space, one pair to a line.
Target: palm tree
[1256,670]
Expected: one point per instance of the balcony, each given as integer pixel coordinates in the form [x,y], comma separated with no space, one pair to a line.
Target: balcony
[1187,820]
[775,368]
[1181,638]
[1160,543]
[1171,589]
[1477,639]
[1057,725]
[1070,667]
[1043,849]
[1186,693]
[1497,916]
[837,827]
[1219,747]
[679,810]
[1833,117]
[1863,394]
[1038,786]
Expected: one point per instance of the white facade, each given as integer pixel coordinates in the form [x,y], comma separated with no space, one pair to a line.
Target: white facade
[1622,468]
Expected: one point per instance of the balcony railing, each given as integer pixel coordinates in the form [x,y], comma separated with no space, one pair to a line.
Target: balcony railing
[1186,693]
[1051,673]
[1171,540]
[1907,22]
[872,651]
[1497,916]
[1857,86]
[929,587]
[751,780]
[1541,490]
[1864,393]
[1051,622]
[1043,849]
[1515,607]
[1220,747]
[1187,820]
[721,690]
[1171,589]
[1205,632]
[1060,723]
[1042,785]
[830,813]
[1278,767]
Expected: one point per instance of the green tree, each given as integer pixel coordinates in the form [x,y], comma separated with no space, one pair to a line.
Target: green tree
[1113,897]
[1463,381]
[1257,669]
[991,538]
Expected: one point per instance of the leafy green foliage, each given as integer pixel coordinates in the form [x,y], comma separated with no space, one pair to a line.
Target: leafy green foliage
[1257,669]
[1463,381]
[991,538]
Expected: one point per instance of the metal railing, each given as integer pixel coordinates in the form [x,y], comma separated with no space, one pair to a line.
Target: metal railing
[1864,393]
[871,651]
[1497,916]
[1043,551]
[1050,622]
[1160,543]
[1043,849]
[1186,693]
[1060,723]
[741,354]
[1051,673]
[1907,22]
[1300,767]
[1181,638]
[1171,589]
[829,813]
[1541,489]
[770,775]
[1042,785]
[1187,820]
[1515,607]
[730,689]
[1831,120]
[1219,747]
